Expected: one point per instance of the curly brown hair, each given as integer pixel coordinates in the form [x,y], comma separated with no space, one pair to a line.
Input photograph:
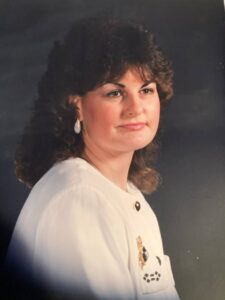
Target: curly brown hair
[95,51]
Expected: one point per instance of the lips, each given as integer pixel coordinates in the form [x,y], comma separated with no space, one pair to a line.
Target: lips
[134,126]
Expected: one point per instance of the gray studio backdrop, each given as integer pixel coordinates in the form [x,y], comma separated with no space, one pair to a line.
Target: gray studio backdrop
[190,203]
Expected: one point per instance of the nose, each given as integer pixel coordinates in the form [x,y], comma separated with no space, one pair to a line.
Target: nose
[133,106]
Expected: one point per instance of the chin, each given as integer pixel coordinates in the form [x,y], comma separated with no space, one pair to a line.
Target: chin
[144,142]
[138,146]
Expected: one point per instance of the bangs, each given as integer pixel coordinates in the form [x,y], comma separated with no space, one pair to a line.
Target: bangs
[115,74]
[111,51]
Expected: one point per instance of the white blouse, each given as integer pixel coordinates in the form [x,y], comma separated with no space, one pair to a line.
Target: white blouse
[79,233]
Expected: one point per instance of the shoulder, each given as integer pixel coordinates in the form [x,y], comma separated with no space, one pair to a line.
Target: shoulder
[67,195]
[63,175]
[72,198]
[81,201]
[64,220]
[71,176]
[79,219]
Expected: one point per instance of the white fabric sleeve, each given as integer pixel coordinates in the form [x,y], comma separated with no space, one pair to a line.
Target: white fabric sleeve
[81,247]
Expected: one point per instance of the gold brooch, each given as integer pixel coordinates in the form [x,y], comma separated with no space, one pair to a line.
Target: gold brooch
[142,253]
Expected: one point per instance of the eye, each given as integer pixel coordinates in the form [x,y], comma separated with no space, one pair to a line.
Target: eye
[115,93]
[148,90]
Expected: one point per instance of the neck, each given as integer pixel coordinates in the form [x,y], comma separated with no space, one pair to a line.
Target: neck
[113,167]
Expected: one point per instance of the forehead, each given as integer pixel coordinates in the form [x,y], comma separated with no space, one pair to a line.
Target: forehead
[136,74]
[142,74]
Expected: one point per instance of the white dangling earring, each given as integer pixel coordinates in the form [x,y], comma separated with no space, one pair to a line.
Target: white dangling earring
[77,126]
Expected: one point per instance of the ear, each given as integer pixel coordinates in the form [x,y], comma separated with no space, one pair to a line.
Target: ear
[77,102]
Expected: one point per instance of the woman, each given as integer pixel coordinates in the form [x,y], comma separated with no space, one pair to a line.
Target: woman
[86,228]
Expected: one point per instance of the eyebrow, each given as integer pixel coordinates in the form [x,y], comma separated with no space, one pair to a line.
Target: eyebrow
[147,82]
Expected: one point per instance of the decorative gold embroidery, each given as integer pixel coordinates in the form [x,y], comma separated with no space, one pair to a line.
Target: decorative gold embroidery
[142,253]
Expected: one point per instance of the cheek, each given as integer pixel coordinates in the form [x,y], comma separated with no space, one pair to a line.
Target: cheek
[108,119]
[154,110]
[100,117]
[158,111]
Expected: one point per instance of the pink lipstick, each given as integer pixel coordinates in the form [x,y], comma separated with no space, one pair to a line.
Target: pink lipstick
[134,126]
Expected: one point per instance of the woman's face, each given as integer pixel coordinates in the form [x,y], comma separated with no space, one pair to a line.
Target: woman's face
[120,117]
